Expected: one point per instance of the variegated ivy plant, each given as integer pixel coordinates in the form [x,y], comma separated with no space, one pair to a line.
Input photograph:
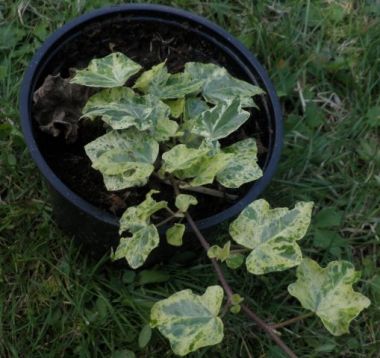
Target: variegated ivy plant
[170,126]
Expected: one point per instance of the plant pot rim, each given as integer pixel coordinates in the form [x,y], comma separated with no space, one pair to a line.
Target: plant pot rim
[26,93]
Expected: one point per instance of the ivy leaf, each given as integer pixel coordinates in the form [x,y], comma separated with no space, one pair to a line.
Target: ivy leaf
[136,217]
[220,121]
[121,108]
[243,167]
[110,71]
[219,253]
[194,106]
[174,234]
[205,169]
[190,321]
[183,201]
[234,260]
[136,249]
[125,158]
[329,294]
[165,129]
[272,234]
[220,86]
[181,157]
[158,82]
[176,106]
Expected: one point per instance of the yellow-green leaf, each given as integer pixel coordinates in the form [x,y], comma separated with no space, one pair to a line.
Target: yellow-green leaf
[155,77]
[174,234]
[220,121]
[121,108]
[272,234]
[136,217]
[219,253]
[136,249]
[234,260]
[125,158]
[183,201]
[110,71]
[164,130]
[181,157]
[329,294]
[243,167]
[176,106]
[189,321]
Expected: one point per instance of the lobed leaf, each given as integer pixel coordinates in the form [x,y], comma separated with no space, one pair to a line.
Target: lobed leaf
[272,234]
[174,234]
[125,158]
[190,321]
[164,130]
[329,294]
[183,201]
[121,108]
[220,86]
[220,121]
[243,167]
[219,253]
[110,71]
[136,249]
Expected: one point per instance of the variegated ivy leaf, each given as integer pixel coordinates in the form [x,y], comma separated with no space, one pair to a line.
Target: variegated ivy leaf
[174,234]
[219,253]
[189,321]
[194,106]
[158,82]
[122,108]
[204,170]
[328,292]
[125,158]
[110,71]
[272,234]
[165,129]
[176,106]
[183,201]
[243,167]
[220,121]
[137,248]
[220,86]
[136,217]
[181,157]
[156,77]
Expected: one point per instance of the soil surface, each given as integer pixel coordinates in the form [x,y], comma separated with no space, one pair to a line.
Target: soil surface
[148,44]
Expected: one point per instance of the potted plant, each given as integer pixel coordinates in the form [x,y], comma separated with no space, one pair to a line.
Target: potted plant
[137,101]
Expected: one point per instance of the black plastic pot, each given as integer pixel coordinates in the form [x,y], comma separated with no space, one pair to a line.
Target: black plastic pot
[93,227]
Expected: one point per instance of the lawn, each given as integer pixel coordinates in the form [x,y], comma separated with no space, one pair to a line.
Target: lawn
[324,59]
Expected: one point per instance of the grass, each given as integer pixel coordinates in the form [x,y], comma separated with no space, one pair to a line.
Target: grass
[324,58]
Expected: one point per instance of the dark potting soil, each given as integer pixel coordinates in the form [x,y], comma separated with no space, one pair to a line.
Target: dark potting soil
[148,44]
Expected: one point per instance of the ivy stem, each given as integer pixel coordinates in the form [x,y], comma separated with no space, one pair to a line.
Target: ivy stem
[263,325]
[292,320]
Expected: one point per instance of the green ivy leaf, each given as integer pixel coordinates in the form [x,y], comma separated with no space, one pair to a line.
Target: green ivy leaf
[220,86]
[121,108]
[181,157]
[243,167]
[174,234]
[190,321]
[110,71]
[235,309]
[194,106]
[219,253]
[236,299]
[328,292]
[125,158]
[183,201]
[234,260]
[136,249]
[137,217]
[220,121]
[272,234]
